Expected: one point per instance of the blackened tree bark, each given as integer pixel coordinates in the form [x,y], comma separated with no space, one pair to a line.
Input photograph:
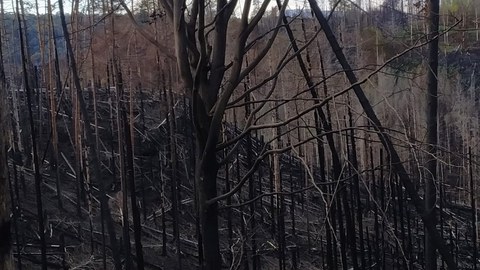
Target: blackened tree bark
[432,136]
[105,211]
[6,259]
[137,226]
[201,62]
[53,101]
[323,122]
[36,163]
[474,209]
[123,171]
[384,137]
[175,180]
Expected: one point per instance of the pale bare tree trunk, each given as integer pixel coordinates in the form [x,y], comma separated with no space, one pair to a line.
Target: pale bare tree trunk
[123,172]
[40,81]
[52,84]
[477,22]
[445,23]
[77,124]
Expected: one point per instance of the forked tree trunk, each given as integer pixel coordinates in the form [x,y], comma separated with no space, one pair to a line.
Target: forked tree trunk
[203,76]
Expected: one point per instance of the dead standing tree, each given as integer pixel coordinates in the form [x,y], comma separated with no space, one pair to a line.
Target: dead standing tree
[436,239]
[432,135]
[201,52]
[6,259]
[104,209]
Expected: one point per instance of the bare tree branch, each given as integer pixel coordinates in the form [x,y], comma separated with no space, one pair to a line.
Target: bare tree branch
[162,49]
[384,137]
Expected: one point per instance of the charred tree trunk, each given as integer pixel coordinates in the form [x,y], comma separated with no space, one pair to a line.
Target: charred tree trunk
[474,209]
[384,138]
[123,171]
[174,179]
[137,228]
[105,210]
[432,134]
[206,177]
[6,258]
[36,163]
[321,122]
[202,70]
[53,105]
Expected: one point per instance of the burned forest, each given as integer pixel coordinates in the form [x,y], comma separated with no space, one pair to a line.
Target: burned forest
[239,134]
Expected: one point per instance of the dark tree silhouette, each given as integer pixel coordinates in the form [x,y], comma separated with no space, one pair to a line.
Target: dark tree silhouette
[432,134]
[6,259]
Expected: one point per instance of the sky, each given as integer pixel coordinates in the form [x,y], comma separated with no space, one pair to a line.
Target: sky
[293,4]
[8,4]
